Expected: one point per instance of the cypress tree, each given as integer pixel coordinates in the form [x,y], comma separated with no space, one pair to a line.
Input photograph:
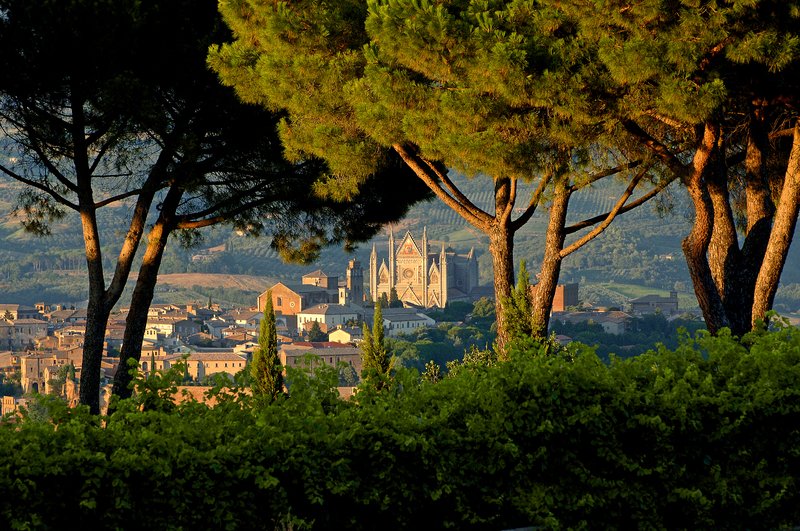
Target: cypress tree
[265,369]
[518,307]
[394,300]
[375,362]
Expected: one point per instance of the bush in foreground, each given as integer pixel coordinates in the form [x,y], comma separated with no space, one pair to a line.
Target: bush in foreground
[707,435]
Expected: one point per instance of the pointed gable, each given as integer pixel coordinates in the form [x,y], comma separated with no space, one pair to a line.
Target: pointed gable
[409,296]
[433,274]
[433,299]
[383,274]
[408,248]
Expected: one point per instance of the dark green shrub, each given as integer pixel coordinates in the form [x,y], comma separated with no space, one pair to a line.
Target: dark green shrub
[707,435]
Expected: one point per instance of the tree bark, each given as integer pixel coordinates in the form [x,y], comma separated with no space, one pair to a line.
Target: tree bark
[551,263]
[696,244]
[724,257]
[501,247]
[759,207]
[97,314]
[142,297]
[782,234]
[102,299]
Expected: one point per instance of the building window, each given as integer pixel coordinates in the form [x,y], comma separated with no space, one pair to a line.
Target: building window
[280,302]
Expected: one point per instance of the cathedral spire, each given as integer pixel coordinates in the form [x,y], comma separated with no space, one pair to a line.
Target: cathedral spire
[373,273]
[443,276]
[391,258]
[424,271]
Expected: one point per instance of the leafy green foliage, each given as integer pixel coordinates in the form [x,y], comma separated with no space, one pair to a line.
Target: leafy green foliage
[703,436]
[394,301]
[10,384]
[644,334]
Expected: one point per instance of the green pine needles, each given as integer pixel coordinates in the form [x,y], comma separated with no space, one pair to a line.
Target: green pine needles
[266,369]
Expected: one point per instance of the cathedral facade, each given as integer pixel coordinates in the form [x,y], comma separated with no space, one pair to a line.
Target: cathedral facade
[422,277]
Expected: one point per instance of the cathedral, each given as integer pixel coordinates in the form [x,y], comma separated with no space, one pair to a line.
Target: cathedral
[421,277]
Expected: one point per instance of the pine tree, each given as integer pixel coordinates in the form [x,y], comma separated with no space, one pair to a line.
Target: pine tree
[719,113]
[375,362]
[494,90]
[265,369]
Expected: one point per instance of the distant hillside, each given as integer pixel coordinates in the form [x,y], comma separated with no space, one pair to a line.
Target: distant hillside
[641,248]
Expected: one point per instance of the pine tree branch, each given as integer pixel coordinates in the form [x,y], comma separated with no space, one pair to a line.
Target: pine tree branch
[605,173]
[441,173]
[661,151]
[512,198]
[536,196]
[609,218]
[474,216]
[60,199]
[118,197]
[575,227]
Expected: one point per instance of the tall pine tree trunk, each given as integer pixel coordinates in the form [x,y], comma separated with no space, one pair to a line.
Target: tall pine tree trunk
[551,263]
[760,209]
[696,244]
[501,247]
[102,299]
[782,233]
[97,314]
[724,256]
[136,321]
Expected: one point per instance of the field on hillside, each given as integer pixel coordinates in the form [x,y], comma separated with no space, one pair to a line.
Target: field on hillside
[216,280]
[640,249]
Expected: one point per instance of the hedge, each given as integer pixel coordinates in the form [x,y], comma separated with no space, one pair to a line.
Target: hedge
[707,435]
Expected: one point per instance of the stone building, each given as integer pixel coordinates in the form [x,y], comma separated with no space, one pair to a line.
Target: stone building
[565,296]
[328,316]
[295,356]
[655,304]
[422,277]
[291,298]
[20,334]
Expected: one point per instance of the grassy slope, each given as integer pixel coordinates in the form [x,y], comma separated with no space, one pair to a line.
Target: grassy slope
[627,253]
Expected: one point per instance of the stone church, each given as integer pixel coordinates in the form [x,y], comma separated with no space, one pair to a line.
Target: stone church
[421,276]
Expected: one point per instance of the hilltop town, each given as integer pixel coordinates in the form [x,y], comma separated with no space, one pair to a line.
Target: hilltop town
[320,314]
